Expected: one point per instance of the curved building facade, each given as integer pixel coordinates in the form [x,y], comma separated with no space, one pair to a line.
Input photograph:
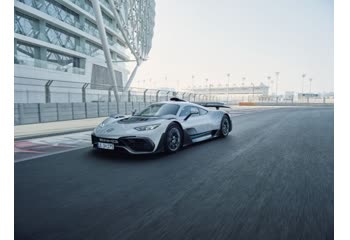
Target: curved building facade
[61,40]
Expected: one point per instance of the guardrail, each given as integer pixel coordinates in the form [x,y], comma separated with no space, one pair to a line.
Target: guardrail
[27,113]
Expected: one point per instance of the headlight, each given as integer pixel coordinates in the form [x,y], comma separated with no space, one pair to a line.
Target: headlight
[101,125]
[148,127]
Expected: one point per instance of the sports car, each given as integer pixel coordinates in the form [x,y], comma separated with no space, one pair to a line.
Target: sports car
[163,126]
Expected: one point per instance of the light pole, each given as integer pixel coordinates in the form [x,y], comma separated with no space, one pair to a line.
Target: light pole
[277,74]
[269,82]
[243,79]
[210,85]
[192,83]
[206,83]
[253,90]
[272,82]
[302,83]
[228,85]
[310,85]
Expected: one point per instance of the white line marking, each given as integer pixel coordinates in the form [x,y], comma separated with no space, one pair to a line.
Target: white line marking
[49,154]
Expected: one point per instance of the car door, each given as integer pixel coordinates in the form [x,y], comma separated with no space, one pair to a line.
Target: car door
[195,124]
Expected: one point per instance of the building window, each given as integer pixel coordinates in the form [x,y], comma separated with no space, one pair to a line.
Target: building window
[26,25]
[84,4]
[120,43]
[111,41]
[33,3]
[91,28]
[114,56]
[25,51]
[62,59]
[61,12]
[60,37]
[108,20]
[93,50]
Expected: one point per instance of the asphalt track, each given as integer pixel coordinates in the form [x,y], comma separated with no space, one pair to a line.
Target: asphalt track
[271,178]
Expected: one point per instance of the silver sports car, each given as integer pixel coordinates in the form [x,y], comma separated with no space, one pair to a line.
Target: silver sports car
[164,126]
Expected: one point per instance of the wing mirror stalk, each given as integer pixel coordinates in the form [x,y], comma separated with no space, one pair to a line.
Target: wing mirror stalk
[133,112]
[188,116]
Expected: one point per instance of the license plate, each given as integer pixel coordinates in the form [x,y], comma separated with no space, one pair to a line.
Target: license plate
[108,146]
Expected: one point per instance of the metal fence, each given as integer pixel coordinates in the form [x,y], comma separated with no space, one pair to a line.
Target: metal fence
[30,90]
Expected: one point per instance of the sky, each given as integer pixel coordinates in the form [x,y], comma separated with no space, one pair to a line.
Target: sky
[247,38]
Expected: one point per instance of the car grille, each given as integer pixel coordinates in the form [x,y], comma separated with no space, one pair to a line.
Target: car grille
[135,144]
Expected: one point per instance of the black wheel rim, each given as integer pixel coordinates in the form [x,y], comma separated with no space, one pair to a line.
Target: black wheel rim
[225,127]
[174,139]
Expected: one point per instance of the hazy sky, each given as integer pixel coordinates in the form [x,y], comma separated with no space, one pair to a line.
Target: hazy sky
[246,38]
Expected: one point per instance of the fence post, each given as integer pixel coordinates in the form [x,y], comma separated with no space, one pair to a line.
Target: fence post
[194,97]
[39,113]
[129,96]
[157,96]
[47,91]
[83,92]
[109,94]
[167,95]
[144,95]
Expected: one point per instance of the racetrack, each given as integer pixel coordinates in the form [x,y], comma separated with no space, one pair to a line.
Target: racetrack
[271,178]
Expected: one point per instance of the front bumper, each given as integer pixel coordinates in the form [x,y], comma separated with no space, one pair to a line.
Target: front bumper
[133,145]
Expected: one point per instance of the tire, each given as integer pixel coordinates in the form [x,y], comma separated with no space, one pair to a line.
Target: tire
[173,138]
[225,126]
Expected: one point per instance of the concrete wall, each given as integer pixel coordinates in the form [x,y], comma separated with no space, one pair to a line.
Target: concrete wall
[26,113]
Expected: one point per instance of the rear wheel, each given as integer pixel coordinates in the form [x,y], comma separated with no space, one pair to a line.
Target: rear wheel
[225,126]
[173,140]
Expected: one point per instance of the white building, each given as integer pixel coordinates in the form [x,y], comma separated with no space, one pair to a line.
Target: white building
[61,40]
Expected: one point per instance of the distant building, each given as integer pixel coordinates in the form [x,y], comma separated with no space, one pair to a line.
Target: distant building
[289,96]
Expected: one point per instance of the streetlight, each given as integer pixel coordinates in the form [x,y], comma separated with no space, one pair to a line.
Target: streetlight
[206,83]
[268,82]
[253,90]
[277,74]
[210,85]
[310,85]
[302,83]
[243,79]
[192,82]
[228,83]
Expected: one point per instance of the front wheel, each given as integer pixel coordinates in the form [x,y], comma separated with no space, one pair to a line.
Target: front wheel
[225,126]
[173,140]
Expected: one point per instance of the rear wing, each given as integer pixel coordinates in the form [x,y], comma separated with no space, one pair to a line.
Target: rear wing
[217,105]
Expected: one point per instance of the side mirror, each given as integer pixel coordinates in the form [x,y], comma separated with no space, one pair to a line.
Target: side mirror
[133,112]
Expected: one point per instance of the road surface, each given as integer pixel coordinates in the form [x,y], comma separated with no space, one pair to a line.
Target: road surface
[271,178]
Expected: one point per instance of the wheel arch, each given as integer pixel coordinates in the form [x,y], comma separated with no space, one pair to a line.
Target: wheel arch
[230,120]
[186,139]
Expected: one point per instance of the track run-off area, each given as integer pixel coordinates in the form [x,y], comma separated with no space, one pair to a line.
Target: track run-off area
[271,178]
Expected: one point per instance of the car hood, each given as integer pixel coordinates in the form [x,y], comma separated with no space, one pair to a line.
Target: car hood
[124,125]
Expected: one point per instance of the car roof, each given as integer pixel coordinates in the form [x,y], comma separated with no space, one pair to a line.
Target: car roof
[181,103]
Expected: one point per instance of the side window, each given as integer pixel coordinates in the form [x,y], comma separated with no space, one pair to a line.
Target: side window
[189,109]
[202,111]
[194,111]
[185,111]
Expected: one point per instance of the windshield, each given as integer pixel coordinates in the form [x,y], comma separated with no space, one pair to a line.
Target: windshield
[158,110]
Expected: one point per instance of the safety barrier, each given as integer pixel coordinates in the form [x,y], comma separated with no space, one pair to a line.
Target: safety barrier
[27,113]
[247,104]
